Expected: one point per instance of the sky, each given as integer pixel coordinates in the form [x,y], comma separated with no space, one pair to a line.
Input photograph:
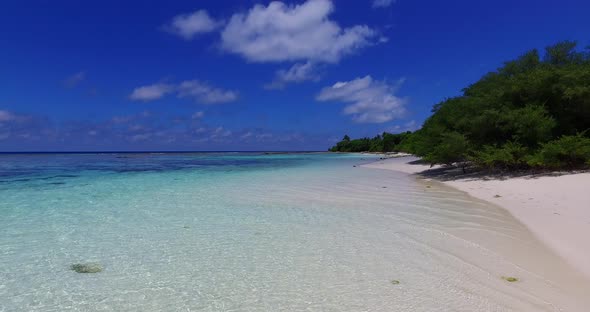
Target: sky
[220,75]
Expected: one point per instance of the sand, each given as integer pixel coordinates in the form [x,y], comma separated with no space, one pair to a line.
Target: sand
[555,208]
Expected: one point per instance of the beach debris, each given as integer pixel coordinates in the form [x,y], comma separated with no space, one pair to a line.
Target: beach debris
[186,227]
[91,267]
[384,187]
[428,186]
[497,196]
[510,279]
[354,166]
[394,282]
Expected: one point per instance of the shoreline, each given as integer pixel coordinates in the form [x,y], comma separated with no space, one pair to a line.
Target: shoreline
[556,209]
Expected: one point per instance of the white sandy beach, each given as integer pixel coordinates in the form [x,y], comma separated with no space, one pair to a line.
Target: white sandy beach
[554,208]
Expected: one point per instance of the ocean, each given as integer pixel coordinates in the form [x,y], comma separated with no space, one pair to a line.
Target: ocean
[260,232]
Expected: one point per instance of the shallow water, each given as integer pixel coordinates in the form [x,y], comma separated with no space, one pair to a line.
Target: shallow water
[255,232]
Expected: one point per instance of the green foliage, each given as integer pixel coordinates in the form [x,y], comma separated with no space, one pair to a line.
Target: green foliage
[562,53]
[387,142]
[451,148]
[529,125]
[524,63]
[565,152]
[528,113]
[511,155]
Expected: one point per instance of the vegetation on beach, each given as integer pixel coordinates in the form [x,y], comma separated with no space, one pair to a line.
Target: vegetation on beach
[533,112]
[384,143]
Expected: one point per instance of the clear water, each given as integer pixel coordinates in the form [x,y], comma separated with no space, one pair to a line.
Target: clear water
[257,232]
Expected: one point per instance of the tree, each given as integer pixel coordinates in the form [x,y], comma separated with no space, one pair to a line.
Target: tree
[531,112]
[562,53]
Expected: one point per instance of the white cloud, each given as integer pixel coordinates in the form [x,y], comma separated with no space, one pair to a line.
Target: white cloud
[6,116]
[121,119]
[151,92]
[198,115]
[299,72]
[75,79]
[140,137]
[369,101]
[188,26]
[264,136]
[219,134]
[204,93]
[17,126]
[302,34]
[382,3]
[411,125]
[280,32]
[136,128]
[200,91]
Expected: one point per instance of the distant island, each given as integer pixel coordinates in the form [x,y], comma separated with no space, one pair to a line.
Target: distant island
[533,112]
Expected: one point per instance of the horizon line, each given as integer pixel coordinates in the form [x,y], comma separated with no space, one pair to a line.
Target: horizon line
[159,151]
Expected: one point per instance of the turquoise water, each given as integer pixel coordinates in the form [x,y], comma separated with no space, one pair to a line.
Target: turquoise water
[257,232]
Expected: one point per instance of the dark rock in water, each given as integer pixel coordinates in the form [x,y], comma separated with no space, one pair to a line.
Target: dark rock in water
[354,166]
[86,267]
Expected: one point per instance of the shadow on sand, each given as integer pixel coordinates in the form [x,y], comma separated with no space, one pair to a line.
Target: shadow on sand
[470,173]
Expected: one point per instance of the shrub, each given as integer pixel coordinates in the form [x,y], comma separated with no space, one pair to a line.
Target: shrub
[511,155]
[451,148]
[569,151]
[530,125]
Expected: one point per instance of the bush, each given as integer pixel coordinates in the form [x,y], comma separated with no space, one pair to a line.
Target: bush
[530,125]
[570,151]
[451,148]
[510,156]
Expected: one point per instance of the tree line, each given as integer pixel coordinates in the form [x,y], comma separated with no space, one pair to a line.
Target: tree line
[384,143]
[533,112]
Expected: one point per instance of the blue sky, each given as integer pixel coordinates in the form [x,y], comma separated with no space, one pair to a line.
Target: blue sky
[250,75]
